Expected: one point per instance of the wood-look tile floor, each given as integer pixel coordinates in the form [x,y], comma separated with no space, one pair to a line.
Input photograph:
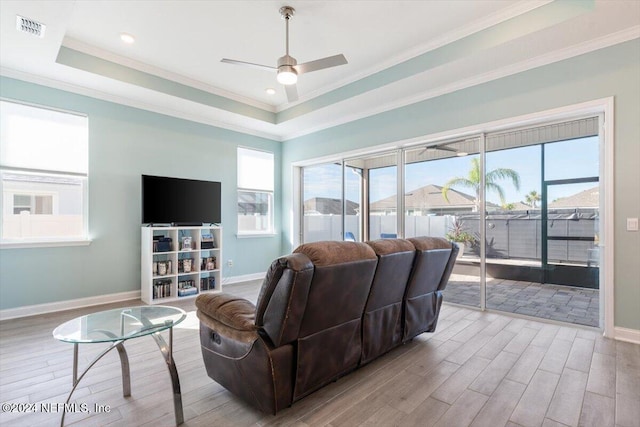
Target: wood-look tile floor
[478,369]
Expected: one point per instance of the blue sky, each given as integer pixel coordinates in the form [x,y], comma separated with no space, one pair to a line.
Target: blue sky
[564,160]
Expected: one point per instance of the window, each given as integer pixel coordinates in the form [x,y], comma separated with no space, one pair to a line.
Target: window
[255,192]
[322,210]
[43,174]
[33,204]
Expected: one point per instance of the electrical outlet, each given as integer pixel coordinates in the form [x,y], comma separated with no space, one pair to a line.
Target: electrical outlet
[632,224]
[230,263]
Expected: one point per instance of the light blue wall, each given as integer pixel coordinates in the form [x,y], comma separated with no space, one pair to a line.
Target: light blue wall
[124,143]
[614,71]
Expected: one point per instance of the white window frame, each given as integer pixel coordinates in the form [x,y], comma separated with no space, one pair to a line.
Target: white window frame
[249,184]
[35,242]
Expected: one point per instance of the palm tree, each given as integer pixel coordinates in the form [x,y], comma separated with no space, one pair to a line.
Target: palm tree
[532,198]
[472,181]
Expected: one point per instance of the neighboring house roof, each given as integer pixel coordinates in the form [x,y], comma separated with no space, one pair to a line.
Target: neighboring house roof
[589,198]
[428,197]
[327,206]
[520,206]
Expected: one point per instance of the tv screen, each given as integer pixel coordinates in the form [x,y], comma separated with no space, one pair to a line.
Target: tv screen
[180,201]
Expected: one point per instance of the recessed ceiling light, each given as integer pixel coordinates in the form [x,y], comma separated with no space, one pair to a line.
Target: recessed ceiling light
[127,38]
[270,91]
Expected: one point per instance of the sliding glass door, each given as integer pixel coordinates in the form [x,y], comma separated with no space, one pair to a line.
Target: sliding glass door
[513,227]
[326,214]
[322,211]
[523,206]
[354,197]
[442,199]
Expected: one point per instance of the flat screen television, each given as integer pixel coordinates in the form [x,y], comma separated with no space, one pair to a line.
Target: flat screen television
[179,201]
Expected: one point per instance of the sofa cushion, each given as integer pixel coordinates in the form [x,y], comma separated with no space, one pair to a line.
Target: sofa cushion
[284,308]
[430,243]
[391,246]
[323,254]
[382,319]
[293,262]
[433,264]
[329,341]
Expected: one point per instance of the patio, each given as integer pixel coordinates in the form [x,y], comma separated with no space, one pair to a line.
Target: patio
[555,302]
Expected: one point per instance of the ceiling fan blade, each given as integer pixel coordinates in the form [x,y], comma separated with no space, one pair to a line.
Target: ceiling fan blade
[249,64]
[320,64]
[292,92]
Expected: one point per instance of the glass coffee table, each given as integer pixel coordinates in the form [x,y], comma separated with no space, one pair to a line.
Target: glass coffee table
[115,327]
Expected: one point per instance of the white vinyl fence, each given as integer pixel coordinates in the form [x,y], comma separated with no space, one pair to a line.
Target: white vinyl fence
[329,227]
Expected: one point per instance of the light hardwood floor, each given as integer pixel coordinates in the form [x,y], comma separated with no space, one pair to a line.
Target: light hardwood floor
[478,369]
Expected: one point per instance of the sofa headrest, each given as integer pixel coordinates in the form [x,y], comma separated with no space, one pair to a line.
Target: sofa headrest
[430,243]
[327,253]
[295,262]
[391,246]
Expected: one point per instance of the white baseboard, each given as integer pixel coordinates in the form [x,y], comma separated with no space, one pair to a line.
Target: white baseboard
[626,334]
[243,278]
[32,310]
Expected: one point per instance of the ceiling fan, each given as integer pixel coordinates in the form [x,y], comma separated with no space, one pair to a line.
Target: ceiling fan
[288,68]
[443,147]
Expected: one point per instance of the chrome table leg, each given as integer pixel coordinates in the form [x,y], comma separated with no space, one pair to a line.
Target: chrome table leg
[167,353]
[76,380]
[126,374]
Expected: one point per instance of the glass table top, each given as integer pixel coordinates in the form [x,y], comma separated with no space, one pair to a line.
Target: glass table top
[119,324]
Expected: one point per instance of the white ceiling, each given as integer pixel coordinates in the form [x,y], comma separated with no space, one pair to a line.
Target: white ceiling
[183,41]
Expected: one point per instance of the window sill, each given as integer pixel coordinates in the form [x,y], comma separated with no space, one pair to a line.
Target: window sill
[252,235]
[43,244]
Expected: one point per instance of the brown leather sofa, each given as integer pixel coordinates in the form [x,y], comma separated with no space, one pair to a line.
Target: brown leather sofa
[322,312]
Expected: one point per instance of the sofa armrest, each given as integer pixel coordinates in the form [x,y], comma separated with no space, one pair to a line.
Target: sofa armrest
[236,343]
[235,312]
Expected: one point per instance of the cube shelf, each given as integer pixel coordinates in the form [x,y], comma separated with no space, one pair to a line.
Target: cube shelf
[180,262]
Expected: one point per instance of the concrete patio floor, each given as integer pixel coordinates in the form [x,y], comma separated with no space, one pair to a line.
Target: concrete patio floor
[556,302]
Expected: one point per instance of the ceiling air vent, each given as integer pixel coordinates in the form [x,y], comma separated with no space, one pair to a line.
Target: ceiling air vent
[30,26]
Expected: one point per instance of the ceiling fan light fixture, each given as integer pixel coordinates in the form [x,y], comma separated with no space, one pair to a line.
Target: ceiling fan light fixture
[287,68]
[287,75]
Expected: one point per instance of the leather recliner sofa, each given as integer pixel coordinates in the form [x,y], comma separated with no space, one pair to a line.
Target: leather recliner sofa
[322,312]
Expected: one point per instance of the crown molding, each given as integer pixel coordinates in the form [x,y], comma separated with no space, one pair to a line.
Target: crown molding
[282,132]
[516,9]
[129,102]
[160,72]
[539,61]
